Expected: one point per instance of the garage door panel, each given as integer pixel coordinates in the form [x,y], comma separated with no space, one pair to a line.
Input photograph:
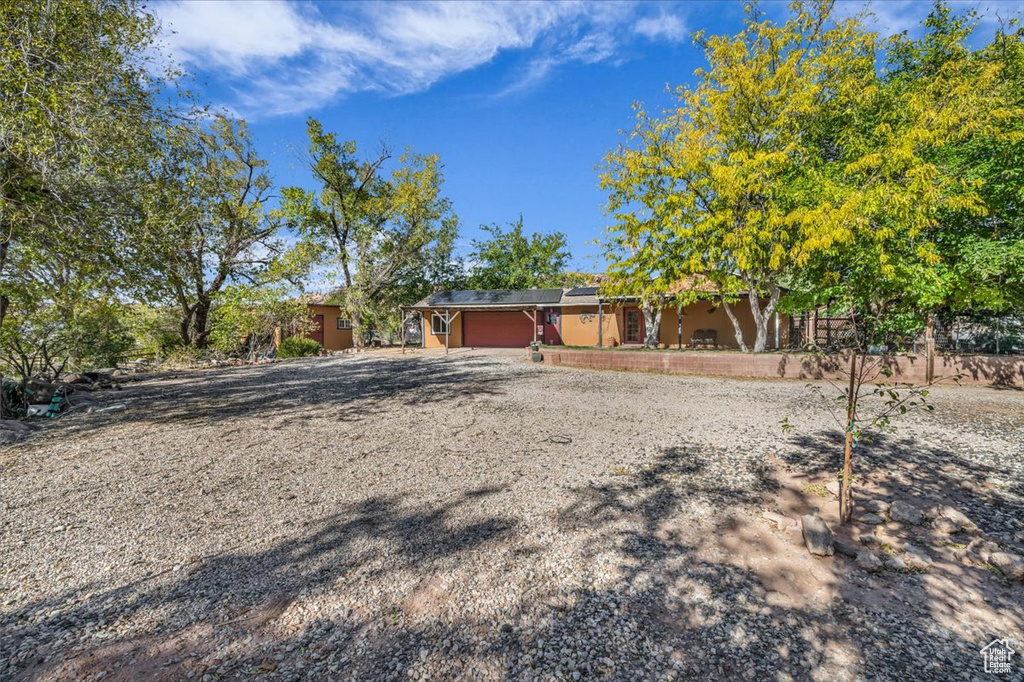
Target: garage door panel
[497,329]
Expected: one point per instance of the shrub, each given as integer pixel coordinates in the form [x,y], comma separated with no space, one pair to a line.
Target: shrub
[298,347]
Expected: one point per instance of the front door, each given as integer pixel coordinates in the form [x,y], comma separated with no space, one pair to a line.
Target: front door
[634,326]
[317,333]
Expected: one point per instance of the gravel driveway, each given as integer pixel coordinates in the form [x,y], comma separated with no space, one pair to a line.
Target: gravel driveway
[386,516]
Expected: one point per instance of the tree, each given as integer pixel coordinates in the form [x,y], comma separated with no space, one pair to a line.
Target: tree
[722,187]
[382,232]
[893,162]
[246,318]
[208,225]
[982,251]
[77,101]
[77,106]
[513,260]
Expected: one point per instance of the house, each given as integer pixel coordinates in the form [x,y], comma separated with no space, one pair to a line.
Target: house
[578,317]
[332,329]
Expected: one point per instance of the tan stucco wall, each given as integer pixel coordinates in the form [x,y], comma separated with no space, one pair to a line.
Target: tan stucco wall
[576,332]
[695,316]
[334,338]
[454,339]
[702,315]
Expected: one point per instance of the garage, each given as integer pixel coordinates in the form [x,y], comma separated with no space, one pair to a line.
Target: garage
[497,329]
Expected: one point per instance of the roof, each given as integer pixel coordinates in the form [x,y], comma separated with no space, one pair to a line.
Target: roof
[518,299]
[512,298]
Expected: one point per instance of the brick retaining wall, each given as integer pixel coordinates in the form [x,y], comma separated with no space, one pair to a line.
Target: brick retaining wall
[985,370]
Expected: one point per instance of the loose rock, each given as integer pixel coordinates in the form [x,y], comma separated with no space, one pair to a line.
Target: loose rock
[867,560]
[877,506]
[1011,565]
[904,512]
[817,535]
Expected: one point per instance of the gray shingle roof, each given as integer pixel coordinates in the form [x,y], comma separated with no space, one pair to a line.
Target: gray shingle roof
[493,297]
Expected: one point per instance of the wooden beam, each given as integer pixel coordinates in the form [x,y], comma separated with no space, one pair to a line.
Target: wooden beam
[679,331]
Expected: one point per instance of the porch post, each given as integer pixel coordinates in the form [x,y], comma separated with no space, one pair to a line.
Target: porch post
[929,349]
[535,325]
[679,330]
[447,328]
[776,330]
[600,325]
[402,312]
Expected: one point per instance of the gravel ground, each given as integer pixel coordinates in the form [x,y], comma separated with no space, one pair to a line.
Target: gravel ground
[392,517]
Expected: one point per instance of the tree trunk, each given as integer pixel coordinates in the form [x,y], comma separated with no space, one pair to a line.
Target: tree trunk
[185,328]
[201,336]
[845,501]
[735,325]
[761,316]
[652,324]
[356,316]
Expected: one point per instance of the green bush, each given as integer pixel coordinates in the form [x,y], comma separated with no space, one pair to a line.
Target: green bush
[298,347]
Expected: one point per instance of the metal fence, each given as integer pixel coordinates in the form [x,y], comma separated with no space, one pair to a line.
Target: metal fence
[955,334]
[982,336]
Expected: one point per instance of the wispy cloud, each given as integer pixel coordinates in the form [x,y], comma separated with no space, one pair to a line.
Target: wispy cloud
[665,26]
[890,17]
[286,58]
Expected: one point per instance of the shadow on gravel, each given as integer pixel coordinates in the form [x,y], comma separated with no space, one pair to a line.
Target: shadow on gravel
[681,603]
[297,390]
[892,466]
[378,535]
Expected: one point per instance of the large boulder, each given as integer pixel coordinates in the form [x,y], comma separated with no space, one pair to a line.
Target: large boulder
[817,535]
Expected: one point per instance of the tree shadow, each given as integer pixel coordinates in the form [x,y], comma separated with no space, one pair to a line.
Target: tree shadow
[295,391]
[999,371]
[377,535]
[678,579]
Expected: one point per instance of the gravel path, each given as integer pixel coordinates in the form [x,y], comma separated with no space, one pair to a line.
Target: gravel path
[478,517]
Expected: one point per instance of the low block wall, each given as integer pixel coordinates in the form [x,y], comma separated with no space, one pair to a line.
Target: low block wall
[983,370]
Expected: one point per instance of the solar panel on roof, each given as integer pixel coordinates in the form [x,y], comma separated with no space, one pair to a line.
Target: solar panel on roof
[582,291]
[485,297]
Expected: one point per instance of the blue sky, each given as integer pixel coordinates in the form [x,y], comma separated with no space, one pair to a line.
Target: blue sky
[521,100]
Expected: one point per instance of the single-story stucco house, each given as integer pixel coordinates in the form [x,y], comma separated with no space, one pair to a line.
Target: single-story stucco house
[578,317]
[332,328]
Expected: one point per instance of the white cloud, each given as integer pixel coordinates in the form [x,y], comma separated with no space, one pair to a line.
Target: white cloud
[664,27]
[890,17]
[284,58]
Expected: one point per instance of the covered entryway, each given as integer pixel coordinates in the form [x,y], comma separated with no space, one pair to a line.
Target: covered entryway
[497,329]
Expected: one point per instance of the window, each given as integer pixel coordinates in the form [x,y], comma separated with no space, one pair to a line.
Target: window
[344,324]
[439,324]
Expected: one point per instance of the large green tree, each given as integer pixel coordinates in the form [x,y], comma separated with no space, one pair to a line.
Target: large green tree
[792,149]
[927,164]
[511,259]
[381,231]
[718,187]
[77,101]
[207,221]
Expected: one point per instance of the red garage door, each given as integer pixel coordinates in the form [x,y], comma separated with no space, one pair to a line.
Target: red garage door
[497,330]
